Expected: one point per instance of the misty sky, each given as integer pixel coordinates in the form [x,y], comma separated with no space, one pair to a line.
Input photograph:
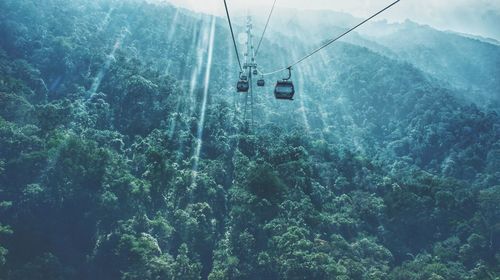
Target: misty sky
[479,17]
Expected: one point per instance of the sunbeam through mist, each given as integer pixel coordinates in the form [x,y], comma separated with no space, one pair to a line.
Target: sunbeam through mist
[143,141]
[206,84]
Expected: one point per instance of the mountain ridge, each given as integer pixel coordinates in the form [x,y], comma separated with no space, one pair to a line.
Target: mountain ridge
[377,170]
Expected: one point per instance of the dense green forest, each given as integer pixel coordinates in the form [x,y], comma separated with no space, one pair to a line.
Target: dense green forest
[125,152]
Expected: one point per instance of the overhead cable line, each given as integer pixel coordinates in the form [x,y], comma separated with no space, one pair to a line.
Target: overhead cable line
[232,35]
[265,28]
[330,41]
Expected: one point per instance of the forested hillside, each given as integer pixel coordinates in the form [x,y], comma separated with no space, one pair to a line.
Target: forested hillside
[466,63]
[125,152]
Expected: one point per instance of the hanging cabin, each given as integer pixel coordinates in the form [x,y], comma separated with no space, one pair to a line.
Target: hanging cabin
[284,90]
[242,86]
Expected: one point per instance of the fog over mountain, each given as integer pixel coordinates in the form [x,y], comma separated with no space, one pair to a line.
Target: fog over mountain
[478,17]
[128,153]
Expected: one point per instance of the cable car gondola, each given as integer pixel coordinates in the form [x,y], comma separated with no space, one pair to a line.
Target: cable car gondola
[242,86]
[284,89]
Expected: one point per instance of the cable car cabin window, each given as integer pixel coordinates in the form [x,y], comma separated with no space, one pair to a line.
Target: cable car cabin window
[284,90]
[242,86]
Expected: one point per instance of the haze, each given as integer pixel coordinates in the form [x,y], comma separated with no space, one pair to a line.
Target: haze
[477,17]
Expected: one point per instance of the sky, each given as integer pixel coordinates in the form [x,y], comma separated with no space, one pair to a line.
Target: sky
[477,17]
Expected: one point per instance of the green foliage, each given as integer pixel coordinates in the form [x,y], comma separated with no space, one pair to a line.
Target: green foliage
[53,115]
[184,268]
[14,108]
[296,258]
[264,183]
[379,171]
[4,230]
[426,267]
[135,250]
[46,266]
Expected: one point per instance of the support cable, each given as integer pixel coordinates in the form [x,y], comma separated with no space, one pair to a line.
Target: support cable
[330,41]
[232,35]
[265,28]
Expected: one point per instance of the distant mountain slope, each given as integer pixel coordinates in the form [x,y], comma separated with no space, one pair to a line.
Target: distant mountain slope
[125,153]
[460,61]
[463,62]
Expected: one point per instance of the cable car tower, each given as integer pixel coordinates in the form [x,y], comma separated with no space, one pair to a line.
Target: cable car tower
[245,84]
[284,88]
